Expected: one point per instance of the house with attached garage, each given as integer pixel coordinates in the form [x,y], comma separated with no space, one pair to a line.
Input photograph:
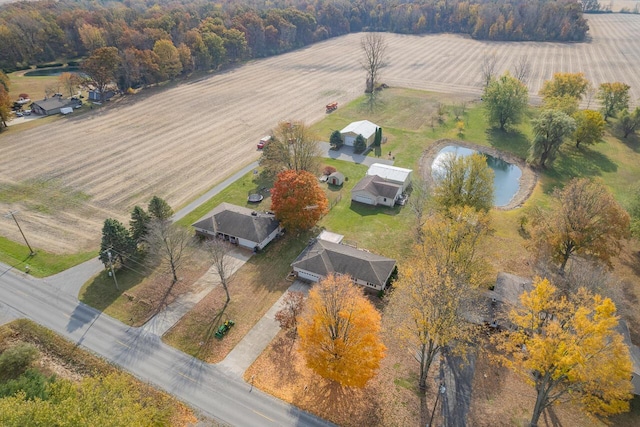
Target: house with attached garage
[394,174]
[323,257]
[383,185]
[363,127]
[373,190]
[53,105]
[239,225]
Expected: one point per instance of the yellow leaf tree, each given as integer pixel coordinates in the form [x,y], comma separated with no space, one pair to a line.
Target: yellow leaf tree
[340,333]
[564,92]
[438,285]
[585,219]
[568,349]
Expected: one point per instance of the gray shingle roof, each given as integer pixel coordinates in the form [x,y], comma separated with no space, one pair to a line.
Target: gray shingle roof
[239,222]
[377,186]
[55,102]
[323,257]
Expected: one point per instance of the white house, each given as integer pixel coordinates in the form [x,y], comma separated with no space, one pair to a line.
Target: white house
[373,190]
[323,257]
[392,174]
[363,127]
[239,225]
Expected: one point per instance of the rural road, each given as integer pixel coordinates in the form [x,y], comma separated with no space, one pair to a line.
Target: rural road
[203,386]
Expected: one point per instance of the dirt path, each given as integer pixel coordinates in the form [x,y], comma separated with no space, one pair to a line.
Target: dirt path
[528,179]
[179,142]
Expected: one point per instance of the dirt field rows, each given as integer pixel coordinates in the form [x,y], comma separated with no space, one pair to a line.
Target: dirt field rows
[179,142]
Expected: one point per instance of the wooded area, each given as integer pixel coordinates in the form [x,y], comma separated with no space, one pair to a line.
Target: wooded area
[208,35]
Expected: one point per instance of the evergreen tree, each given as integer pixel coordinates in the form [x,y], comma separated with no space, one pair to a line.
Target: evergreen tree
[159,209]
[360,144]
[139,224]
[336,139]
[117,240]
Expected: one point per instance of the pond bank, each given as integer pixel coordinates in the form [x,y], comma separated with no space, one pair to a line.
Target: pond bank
[528,179]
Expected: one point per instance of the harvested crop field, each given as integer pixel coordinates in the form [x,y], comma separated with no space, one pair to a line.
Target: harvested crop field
[180,141]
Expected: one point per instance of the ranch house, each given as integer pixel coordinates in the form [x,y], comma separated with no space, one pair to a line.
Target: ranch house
[53,105]
[239,225]
[363,127]
[383,185]
[323,257]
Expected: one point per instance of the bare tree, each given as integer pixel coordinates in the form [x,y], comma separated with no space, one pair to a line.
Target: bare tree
[522,69]
[459,109]
[169,244]
[222,263]
[374,49]
[294,147]
[488,68]
[292,305]
[418,203]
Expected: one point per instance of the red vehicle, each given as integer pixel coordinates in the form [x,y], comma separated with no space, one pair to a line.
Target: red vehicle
[332,107]
[264,141]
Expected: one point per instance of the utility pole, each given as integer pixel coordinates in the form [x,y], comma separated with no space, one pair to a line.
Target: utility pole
[13,215]
[113,274]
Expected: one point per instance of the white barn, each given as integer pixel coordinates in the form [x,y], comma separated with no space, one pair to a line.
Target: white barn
[363,127]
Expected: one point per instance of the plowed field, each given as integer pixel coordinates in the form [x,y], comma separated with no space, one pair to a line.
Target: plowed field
[67,177]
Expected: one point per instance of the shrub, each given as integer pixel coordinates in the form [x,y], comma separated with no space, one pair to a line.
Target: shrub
[15,360]
[328,170]
[360,144]
[74,63]
[32,382]
[52,65]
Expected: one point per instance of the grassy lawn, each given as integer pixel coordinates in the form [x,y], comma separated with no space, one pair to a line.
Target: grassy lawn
[236,194]
[143,289]
[254,288]
[43,263]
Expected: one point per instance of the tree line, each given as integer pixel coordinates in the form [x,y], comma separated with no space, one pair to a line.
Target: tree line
[202,36]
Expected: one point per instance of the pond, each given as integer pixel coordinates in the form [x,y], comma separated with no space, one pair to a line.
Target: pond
[51,71]
[506,182]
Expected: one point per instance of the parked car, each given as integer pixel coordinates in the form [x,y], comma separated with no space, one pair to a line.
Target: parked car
[402,199]
[19,114]
[27,112]
[264,141]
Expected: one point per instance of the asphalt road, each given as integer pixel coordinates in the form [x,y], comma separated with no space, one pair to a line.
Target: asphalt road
[210,389]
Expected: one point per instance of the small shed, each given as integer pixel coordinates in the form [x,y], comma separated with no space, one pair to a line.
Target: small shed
[336,178]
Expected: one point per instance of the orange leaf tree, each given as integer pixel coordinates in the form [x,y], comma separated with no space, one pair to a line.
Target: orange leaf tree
[297,200]
[568,348]
[340,333]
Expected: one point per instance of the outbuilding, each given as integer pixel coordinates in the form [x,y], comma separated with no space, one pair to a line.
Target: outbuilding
[336,178]
[363,127]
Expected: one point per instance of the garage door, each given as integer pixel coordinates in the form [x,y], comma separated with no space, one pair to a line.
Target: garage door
[366,200]
[349,140]
[308,276]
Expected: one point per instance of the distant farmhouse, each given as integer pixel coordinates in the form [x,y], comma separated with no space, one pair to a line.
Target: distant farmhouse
[53,105]
[239,225]
[325,255]
[383,185]
[363,127]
